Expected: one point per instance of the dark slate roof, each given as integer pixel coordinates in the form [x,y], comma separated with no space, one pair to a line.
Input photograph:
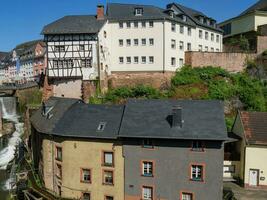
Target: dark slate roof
[137,119]
[74,25]
[82,120]
[259,6]
[118,11]
[193,14]
[255,127]
[60,106]
[149,118]
[122,12]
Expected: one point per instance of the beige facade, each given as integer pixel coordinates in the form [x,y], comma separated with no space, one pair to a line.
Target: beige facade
[255,162]
[78,155]
[245,23]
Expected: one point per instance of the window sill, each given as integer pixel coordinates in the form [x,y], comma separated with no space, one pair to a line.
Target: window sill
[59,160]
[87,182]
[108,184]
[107,165]
[148,175]
[197,180]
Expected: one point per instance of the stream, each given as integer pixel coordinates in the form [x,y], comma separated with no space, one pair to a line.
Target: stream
[8,143]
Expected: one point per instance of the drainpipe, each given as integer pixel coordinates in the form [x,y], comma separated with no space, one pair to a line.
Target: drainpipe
[98,62]
[163,45]
[53,164]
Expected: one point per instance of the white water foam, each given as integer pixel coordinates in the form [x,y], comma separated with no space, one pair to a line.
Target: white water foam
[8,153]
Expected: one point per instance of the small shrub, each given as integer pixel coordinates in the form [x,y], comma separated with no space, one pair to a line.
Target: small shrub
[220,89]
[186,75]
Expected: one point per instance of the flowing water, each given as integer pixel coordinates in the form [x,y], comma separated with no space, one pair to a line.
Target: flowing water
[8,144]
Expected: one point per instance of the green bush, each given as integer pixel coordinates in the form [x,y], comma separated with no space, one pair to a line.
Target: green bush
[139,91]
[250,91]
[220,89]
[185,76]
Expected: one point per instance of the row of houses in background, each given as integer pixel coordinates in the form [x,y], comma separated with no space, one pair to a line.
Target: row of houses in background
[25,63]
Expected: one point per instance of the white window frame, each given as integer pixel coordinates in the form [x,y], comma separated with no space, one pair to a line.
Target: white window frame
[136,42]
[147,168]
[120,42]
[181,29]
[143,41]
[151,41]
[147,193]
[128,42]
[181,45]
[173,44]
[121,60]
[173,61]
[136,59]
[143,59]
[173,27]
[151,59]
[128,60]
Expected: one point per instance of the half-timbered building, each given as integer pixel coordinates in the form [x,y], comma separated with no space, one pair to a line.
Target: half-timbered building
[72,51]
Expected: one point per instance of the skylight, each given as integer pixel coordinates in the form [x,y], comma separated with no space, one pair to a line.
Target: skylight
[101,126]
[138,11]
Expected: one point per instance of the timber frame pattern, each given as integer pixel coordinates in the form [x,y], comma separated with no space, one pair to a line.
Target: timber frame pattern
[65,56]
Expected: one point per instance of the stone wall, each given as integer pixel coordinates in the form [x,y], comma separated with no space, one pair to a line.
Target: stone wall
[261,44]
[232,62]
[88,90]
[69,88]
[158,80]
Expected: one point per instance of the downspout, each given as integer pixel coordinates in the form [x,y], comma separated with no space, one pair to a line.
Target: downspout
[98,62]
[163,45]
[53,163]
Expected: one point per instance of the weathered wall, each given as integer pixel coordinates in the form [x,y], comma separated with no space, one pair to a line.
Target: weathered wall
[154,79]
[261,44]
[172,160]
[47,89]
[88,90]
[233,62]
[78,154]
[68,88]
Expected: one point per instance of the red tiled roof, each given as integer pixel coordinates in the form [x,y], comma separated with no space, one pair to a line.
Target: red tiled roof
[255,127]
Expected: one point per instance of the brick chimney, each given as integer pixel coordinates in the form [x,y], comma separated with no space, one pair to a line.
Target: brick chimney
[177,120]
[100,12]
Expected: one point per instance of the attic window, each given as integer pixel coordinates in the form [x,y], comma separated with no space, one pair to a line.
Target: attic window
[138,11]
[171,13]
[101,126]
[46,111]
[184,18]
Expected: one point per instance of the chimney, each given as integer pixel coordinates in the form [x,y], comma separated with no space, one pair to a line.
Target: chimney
[177,116]
[100,12]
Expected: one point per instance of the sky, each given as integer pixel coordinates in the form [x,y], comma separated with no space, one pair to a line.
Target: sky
[23,20]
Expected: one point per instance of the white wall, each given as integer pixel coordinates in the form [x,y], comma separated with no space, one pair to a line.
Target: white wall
[162,34]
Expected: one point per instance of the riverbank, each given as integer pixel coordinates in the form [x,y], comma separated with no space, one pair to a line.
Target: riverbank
[8,129]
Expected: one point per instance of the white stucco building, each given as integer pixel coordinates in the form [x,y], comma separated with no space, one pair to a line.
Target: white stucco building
[127,38]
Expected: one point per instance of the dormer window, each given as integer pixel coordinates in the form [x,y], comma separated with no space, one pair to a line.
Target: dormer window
[201,19]
[101,126]
[184,18]
[208,22]
[171,14]
[138,11]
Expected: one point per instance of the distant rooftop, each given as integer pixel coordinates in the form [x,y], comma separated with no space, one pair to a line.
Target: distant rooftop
[74,24]
[255,127]
[259,6]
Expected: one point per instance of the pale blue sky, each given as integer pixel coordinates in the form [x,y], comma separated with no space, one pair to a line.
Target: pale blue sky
[22,20]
